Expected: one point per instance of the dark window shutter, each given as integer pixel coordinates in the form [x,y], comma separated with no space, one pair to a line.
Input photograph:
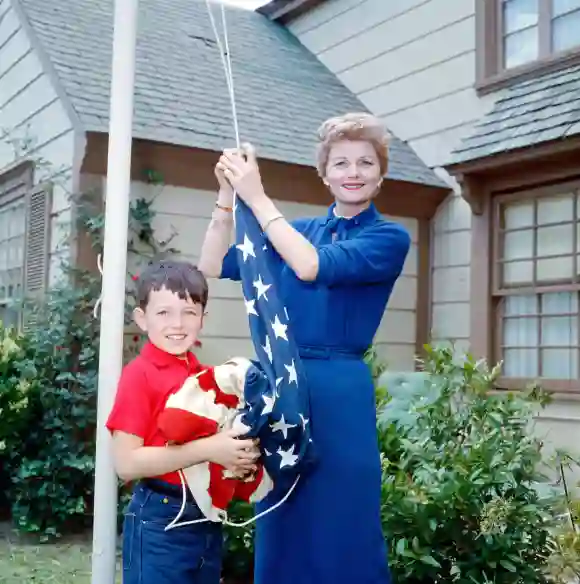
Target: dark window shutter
[37,240]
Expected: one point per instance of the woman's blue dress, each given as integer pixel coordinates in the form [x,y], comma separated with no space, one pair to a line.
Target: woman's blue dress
[329,530]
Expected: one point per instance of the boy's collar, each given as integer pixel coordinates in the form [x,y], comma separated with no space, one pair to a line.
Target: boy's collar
[161,358]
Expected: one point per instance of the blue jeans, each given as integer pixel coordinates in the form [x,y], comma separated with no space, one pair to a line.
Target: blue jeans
[184,555]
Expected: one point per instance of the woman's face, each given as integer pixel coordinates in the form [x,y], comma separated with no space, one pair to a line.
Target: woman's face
[353,172]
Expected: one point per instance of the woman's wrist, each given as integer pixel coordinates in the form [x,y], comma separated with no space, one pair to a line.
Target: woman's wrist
[265,210]
[225,198]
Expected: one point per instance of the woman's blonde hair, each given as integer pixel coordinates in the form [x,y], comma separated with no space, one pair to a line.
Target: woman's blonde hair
[352,126]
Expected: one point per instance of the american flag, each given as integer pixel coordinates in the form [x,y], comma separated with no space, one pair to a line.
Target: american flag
[277,408]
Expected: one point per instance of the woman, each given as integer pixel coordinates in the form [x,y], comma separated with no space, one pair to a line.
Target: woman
[337,274]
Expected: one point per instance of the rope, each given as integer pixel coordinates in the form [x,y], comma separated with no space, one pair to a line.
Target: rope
[225,55]
[223,515]
[100,298]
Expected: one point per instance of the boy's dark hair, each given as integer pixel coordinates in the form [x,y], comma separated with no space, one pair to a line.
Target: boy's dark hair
[181,278]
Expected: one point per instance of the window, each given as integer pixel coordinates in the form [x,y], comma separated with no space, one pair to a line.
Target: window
[12,238]
[24,219]
[536,284]
[519,36]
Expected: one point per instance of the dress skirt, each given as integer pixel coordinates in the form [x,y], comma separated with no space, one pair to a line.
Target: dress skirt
[329,530]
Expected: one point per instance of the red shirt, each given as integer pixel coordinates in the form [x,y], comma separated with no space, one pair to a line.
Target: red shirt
[145,384]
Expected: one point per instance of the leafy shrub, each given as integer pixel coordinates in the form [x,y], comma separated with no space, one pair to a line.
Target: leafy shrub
[18,398]
[465,494]
[238,566]
[50,488]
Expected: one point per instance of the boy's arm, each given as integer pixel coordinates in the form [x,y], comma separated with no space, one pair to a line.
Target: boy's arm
[132,417]
[134,461]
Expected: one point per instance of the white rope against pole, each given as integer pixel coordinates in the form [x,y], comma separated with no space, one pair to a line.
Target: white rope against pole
[224,50]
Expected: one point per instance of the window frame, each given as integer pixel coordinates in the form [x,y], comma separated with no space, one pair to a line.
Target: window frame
[490,73]
[497,293]
[17,181]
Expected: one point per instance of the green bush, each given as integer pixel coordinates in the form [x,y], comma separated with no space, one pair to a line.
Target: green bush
[52,487]
[18,405]
[50,437]
[238,567]
[466,496]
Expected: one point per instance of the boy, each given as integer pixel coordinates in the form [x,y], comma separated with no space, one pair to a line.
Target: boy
[171,300]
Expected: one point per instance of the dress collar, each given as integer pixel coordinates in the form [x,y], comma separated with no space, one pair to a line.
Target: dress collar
[366,217]
[161,359]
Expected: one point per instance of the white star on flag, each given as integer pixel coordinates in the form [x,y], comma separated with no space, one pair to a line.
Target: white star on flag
[282,426]
[304,421]
[268,403]
[268,349]
[261,288]
[247,248]
[292,377]
[279,329]
[250,307]
[288,458]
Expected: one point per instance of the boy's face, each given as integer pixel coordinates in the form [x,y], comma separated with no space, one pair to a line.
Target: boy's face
[171,323]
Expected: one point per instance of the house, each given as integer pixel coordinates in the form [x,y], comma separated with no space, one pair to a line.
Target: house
[55,62]
[487,92]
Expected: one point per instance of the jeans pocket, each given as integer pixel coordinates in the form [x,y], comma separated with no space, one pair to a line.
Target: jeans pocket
[129,535]
[162,510]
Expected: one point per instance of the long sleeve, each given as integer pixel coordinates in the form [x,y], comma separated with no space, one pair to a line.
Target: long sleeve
[376,254]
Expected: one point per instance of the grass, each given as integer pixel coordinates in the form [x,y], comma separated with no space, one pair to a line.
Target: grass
[65,562]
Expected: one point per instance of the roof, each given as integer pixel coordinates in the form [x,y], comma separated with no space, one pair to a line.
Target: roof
[283,92]
[530,113]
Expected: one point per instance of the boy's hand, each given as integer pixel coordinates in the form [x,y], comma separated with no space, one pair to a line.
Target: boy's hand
[233,453]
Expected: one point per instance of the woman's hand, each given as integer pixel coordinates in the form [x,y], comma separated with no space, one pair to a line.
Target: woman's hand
[242,172]
[224,184]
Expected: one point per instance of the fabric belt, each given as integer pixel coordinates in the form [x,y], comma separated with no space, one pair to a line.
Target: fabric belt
[319,352]
[166,489]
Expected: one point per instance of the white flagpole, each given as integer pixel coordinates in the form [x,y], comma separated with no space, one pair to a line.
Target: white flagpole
[113,286]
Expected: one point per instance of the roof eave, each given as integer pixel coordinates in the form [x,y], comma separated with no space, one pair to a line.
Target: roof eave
[283,11]
[498,160]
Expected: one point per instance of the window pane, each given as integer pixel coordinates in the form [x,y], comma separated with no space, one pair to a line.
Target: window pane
[554,270]
[555,209]
[13,222]
[559,331]
[558,303]
[566,31]
[8,316]
[556,240]
[521,305]
[519,14]
[562,6]
[518,245]
[520,332]
[560,363]
[518,273]
[521,47]
[517,215]
[520,362]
